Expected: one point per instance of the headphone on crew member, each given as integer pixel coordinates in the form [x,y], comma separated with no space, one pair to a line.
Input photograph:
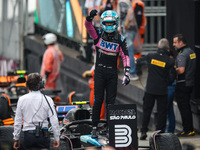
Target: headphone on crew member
[35,82]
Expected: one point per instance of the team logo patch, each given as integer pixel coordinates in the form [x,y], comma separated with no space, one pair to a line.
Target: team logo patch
[192,56]
[158,63]
[108,45]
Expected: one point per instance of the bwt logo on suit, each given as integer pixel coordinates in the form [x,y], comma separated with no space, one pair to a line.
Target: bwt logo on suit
[123,135]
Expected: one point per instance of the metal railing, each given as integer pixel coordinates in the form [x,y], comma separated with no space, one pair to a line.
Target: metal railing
[155,12]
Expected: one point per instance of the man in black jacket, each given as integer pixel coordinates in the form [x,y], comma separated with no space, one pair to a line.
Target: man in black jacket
[161,73]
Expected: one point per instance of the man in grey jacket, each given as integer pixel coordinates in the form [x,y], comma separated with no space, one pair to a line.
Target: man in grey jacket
[185,68]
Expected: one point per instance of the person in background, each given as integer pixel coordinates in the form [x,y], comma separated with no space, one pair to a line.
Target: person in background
[51,62]
[128,28]
[170,109]
[138,9]
[87,48]
[90,73]
[185,68]
[161,73]
[108,5]
[34,109]
[108,44]
[93,4]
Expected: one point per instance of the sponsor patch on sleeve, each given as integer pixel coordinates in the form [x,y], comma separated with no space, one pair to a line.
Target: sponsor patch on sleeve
[192,56]
[158,63]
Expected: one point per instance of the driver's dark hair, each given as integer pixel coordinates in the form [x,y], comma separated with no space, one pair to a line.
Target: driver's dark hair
[33,81]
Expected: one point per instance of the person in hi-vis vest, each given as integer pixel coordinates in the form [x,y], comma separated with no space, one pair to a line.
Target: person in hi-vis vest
[51,62]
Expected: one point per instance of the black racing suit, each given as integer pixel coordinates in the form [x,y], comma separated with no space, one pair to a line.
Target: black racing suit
[161,73]
[107,48]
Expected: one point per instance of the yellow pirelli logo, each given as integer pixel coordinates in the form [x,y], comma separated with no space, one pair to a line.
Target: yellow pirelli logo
[192,56]
[158,63]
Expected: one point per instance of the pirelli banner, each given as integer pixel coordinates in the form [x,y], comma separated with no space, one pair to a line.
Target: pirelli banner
[123,126]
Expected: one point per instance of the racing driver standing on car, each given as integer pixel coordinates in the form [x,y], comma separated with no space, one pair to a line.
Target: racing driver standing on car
[108,44]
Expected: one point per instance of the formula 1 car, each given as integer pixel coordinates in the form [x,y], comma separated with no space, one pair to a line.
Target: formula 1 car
[14,84]
[18,76]
[76,134]
[76,124]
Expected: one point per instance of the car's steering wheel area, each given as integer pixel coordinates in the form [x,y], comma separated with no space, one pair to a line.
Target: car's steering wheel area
[83,127]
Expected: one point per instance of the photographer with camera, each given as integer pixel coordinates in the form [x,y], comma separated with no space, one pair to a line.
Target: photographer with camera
[34,109]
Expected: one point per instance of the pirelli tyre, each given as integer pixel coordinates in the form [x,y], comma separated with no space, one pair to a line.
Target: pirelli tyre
[164,141]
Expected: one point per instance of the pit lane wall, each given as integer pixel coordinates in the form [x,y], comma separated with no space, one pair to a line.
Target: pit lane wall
[71,79]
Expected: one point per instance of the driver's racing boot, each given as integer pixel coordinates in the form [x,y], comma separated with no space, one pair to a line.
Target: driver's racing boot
[94,133]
